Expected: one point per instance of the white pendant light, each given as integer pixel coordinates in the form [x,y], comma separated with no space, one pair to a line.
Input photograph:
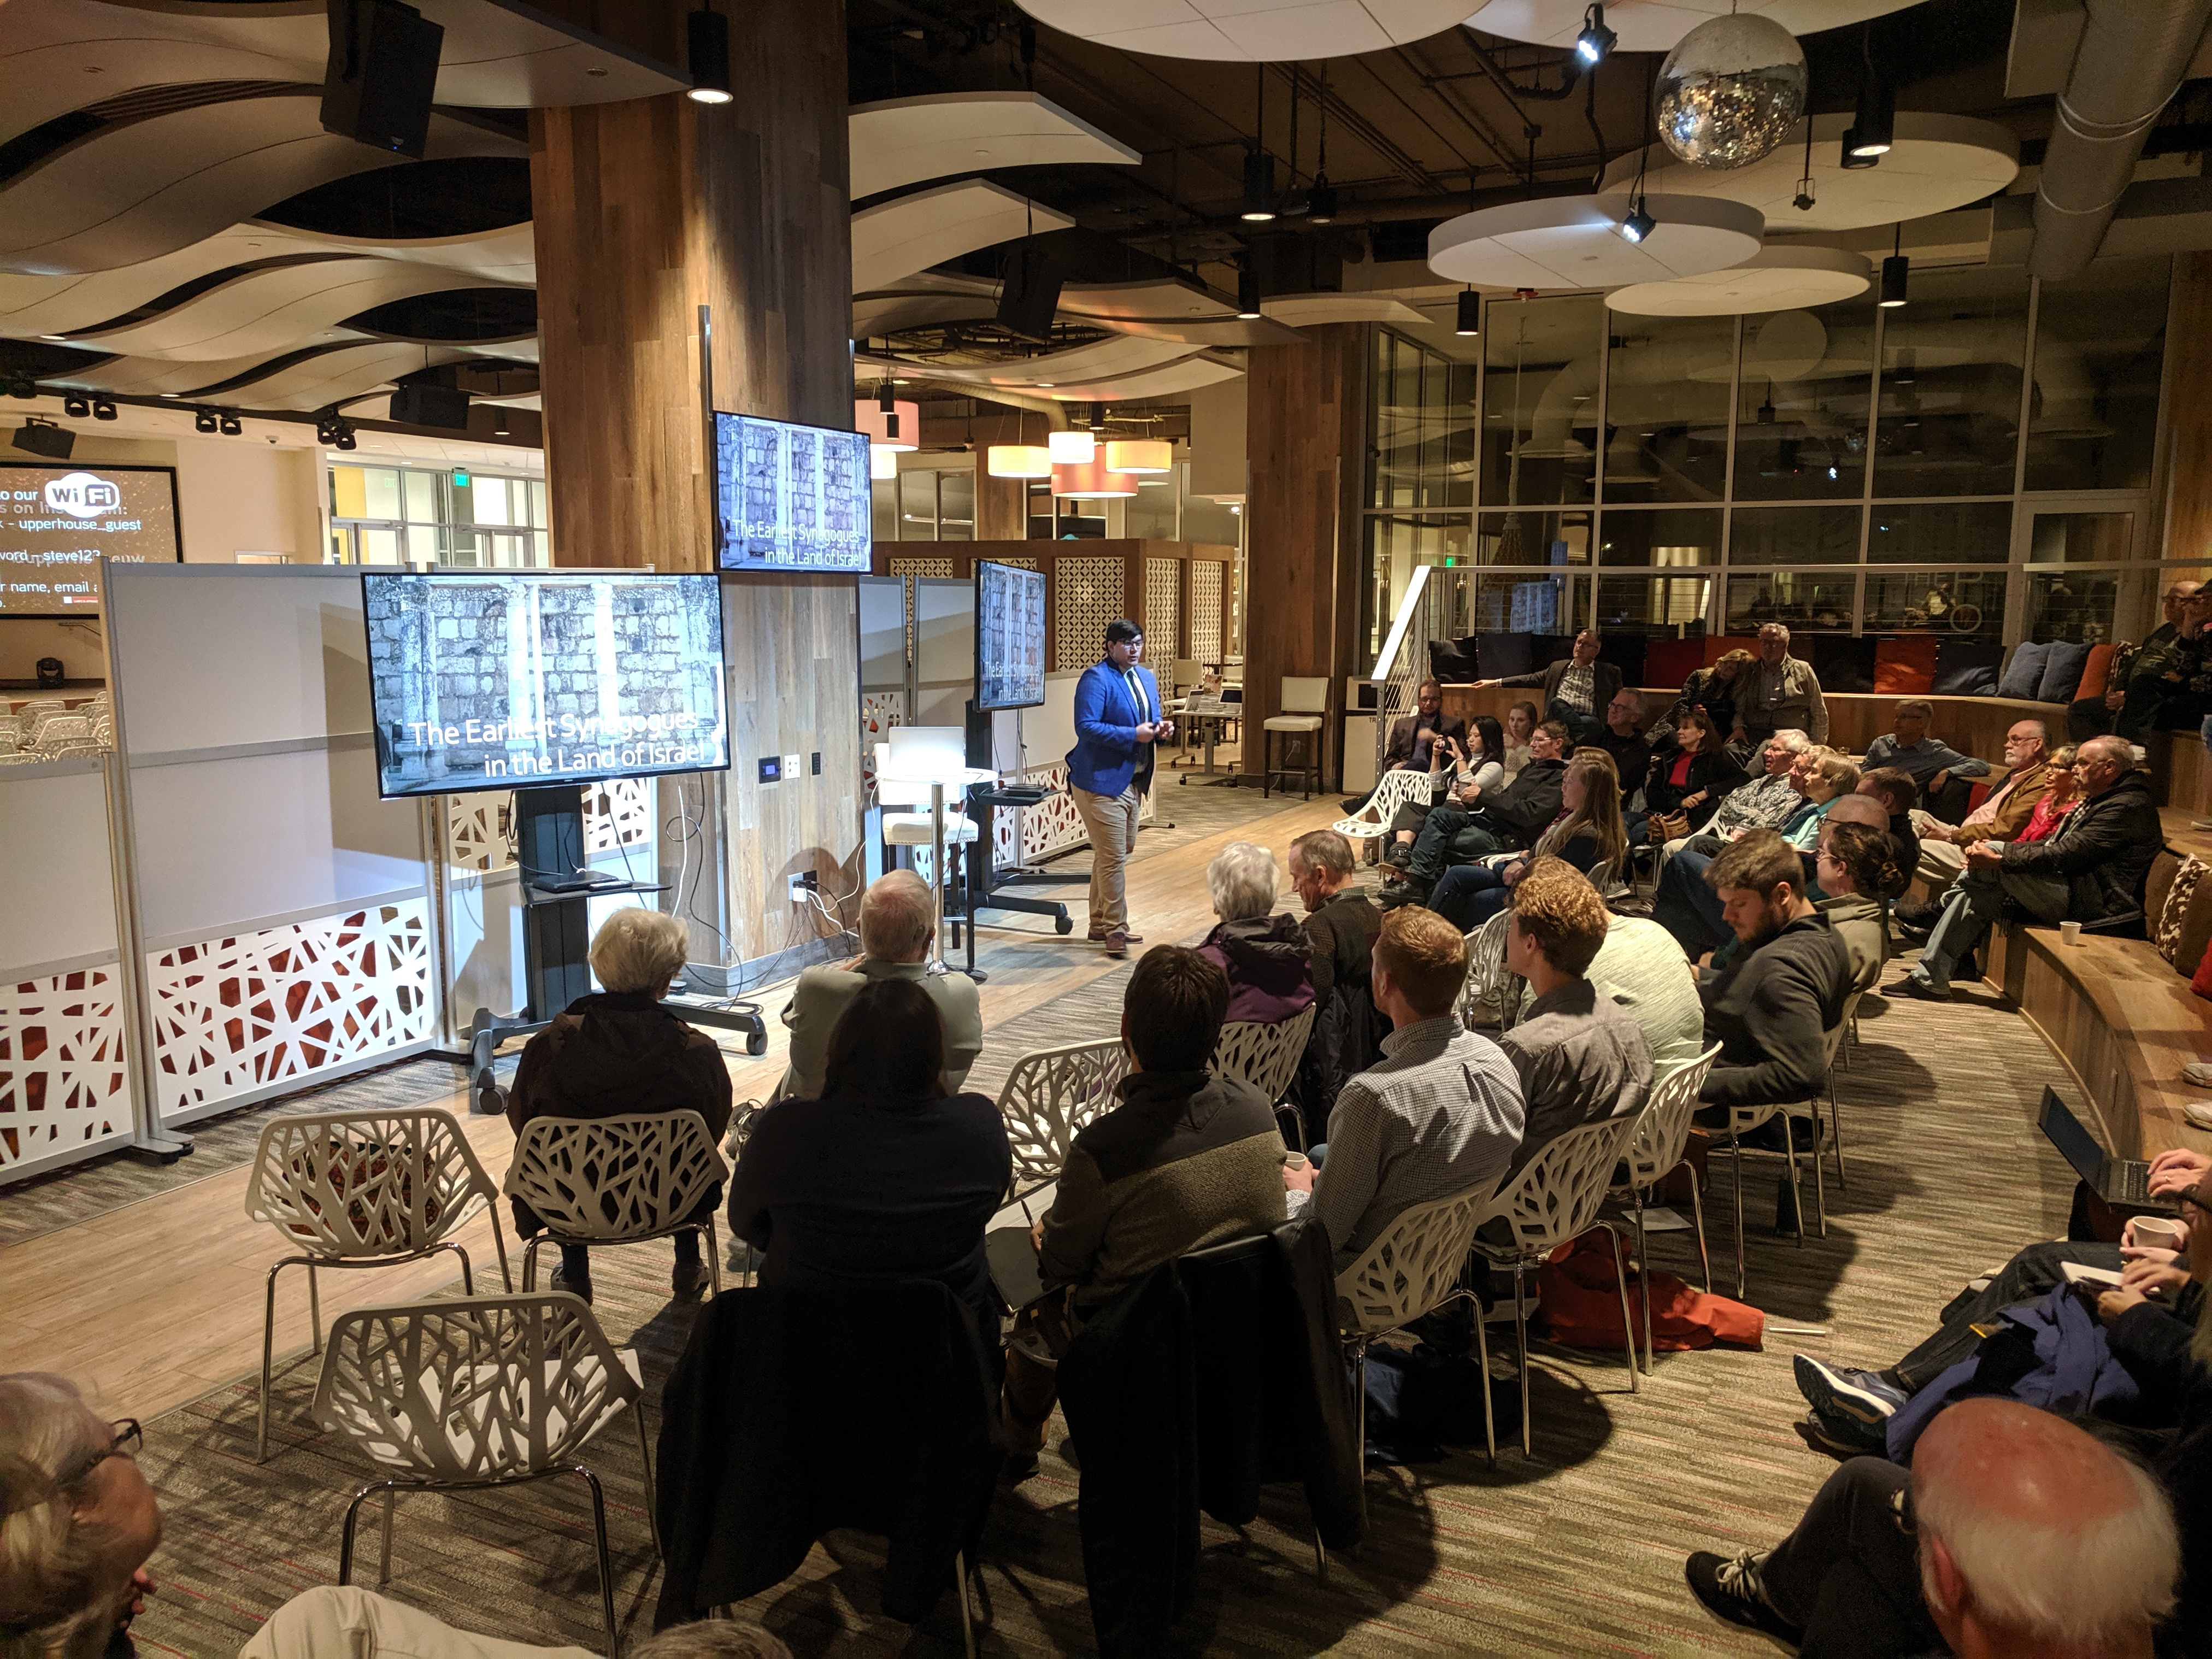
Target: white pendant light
[1141,455]
[1071,448]
[1091,480]
[882,462]
[1018,461]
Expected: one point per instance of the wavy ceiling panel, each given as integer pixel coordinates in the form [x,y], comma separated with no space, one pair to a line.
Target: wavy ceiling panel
[139,190]
[932,226]
[1307,310]
[1123,353]
[904,141]
[1163,382]
[308,380]
[57,55]
[1247,31]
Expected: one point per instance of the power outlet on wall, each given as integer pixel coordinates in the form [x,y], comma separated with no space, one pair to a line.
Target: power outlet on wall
[793,766]
[800,883]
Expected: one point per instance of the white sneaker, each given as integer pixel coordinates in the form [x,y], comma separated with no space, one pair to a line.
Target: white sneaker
[2198,1071]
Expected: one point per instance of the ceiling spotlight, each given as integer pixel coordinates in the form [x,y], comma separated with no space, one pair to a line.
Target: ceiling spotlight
[1802,201]
[102,410]
[1639,223]
[232,426]
[709,57]
[1259,186]
[203,421]
[1321,200]
[499,427]
[1595,39]
[345,439]
[1470,312]
[76,407]
[1874,122]
[1853,158]
[1894,272]
[1248,296]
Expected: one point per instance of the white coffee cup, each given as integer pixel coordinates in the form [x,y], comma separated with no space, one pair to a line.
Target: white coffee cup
[1294,1160]
[2071,932]
[2154,1234]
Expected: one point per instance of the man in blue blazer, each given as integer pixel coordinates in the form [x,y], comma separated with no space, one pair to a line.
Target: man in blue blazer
[1118,719]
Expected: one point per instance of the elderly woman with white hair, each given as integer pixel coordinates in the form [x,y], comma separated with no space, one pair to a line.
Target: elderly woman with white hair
[619,1051]
[1268,957]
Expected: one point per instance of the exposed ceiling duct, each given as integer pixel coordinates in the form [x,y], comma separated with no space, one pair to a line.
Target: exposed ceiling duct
[2130,61]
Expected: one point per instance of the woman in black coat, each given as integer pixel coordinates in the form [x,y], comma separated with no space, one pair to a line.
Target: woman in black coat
[1690,773]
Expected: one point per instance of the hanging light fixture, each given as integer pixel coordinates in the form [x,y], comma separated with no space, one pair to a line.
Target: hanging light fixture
[1141,455]
[890,422]
[1321,200]
[1873,124]
[883,463]
[1071,448]
[1470,312]
[1595,40]
[1895,271]
[1247,295]
[1091,480]
[1639,223]
[1258,166]
[1017,461]
[709,33]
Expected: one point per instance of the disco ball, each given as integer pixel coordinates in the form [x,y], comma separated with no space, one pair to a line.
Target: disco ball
[1730,91]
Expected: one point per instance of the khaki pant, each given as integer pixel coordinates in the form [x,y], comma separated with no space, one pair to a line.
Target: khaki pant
[1112,821]
[335,1620]
[1941,862]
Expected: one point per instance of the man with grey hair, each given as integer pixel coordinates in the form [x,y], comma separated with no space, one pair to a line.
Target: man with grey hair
[2091,870]
[1623,739]
[2001,817]
[1931,763]
[898,920]
[1267,957]
[1767,802]
[2095,716]
[2014,1532]
[1776,692]
[616,1053]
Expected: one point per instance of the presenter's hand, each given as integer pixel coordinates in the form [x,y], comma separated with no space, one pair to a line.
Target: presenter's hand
[1167,729]
[1146,732]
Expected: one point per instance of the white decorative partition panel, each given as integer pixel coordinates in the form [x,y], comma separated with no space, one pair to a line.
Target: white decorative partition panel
[64,1089]
[1209,611]
[617,813]
[479,830]
[233,1017]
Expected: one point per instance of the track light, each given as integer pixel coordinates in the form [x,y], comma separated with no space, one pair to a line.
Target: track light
[709,57]
[102,410]
[334,429]
[1894,272]
[1259,186]
[1321,200]
[1248,296]
[499,426]
[1470,312]
[1872,132]
[77,408]
[1595,39]
[1853,158]
[203,421]
[1639,223]
[231,425]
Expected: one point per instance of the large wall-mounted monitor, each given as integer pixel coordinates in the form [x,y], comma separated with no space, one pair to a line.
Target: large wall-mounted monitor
[1009,636]
[59,519]
[518,678]
[791,497]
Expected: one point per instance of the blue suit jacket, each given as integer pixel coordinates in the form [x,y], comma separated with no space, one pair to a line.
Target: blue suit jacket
[1107,754]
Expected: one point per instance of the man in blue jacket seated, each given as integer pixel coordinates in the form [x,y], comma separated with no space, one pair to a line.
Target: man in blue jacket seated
[1118,720]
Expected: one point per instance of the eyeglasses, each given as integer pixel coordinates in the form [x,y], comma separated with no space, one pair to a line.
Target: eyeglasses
[129,1440]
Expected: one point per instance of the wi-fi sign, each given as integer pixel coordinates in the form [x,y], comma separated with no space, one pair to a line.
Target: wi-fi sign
[82,495]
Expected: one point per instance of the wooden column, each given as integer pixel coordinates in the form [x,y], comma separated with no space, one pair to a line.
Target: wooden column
[2187,485]
[1002,507]
[644,211]
[1305,415]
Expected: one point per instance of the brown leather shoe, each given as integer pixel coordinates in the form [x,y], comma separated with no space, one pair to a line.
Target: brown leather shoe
[1116,944]
[1130,934]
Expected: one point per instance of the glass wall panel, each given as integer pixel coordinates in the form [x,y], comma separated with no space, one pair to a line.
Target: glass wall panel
[884,492]
[1420,427]
[1794,535]
[421,496]
[917,500]
[1501,602]
[956,507]
[1205,519]
[1941,532]
[1801,429]
[1951,363]
[1526,538]
[1667,403]
[1673,606]
[2076,605]
[1821,601]
[1967,602]
[2099,340]
[1395,544]
[381,491]
[1666,535]
[1150,513]
[1539,400]
[2080,537]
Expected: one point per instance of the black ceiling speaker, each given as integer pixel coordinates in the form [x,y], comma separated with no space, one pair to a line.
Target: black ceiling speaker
[1029,295]
[431,405]
[382,69]
[44,438]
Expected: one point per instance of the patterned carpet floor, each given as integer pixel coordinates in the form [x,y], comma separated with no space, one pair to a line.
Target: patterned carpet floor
[1575,1552]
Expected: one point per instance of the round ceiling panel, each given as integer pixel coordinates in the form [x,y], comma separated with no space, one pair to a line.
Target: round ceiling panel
[1576,242]
[1937,162]
[1660,25]
[1252,31]
[1773,279]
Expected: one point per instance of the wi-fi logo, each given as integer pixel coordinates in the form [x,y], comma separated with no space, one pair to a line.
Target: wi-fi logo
[82,495]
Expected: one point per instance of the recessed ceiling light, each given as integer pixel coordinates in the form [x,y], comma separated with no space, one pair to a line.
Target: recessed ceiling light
[172,394]
[62,337]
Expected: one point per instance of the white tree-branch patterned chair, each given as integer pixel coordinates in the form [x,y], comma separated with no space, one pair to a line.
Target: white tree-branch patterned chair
[1555,1198]
[363,1189]
[617,1180]
[1266,1055]
[1417,1264]
[1050,1095]
[1491,988]
[1369,826]
[1654,1151]
[486,1391]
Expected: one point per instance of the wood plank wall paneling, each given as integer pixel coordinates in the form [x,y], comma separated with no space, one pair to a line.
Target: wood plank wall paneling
[643,211]
[1305,418]
[1002,508]
[2187,471]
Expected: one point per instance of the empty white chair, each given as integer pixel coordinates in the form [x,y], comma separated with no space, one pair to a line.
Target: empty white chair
[1049,1096]
[1304,705]
[1554,1199]
[1266,1054]
[617,1180]
[363,1189]
[1371,822]
[1416,1266]
[1654,1151]
[487,1391]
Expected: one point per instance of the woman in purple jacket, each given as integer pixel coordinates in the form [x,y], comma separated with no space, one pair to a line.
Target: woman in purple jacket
[1267,958]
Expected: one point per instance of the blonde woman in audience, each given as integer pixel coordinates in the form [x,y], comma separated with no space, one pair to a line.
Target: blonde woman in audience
[1520,722]
[1587,833]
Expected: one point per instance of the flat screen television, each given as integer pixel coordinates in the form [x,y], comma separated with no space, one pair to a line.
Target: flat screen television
[511,679]
[791,497]
[58,520]
[1009,636]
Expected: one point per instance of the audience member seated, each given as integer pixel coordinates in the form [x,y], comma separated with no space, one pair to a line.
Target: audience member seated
[617,1053]
[1461,775]
[1689,774]
[1712,689]
[2057,793]
[898,924]
[1898,794]
[1577,688]
[1521,722]
[1641,968]
[1417,741]
[2170,693]
[1580,1056]
[1690,909]
[1623,739]
[1440,1114]
[1504,823]
[1766,802]
[1932,764]
[2013,1533]
[2001,817]
[2093,716]
[1855,868]
[1769,1008]
[1341,923]
[1265,955]
[1587,833]
[2091,871]
[885,1177]
[1777,693]
[1853,808]
[1188,1158]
